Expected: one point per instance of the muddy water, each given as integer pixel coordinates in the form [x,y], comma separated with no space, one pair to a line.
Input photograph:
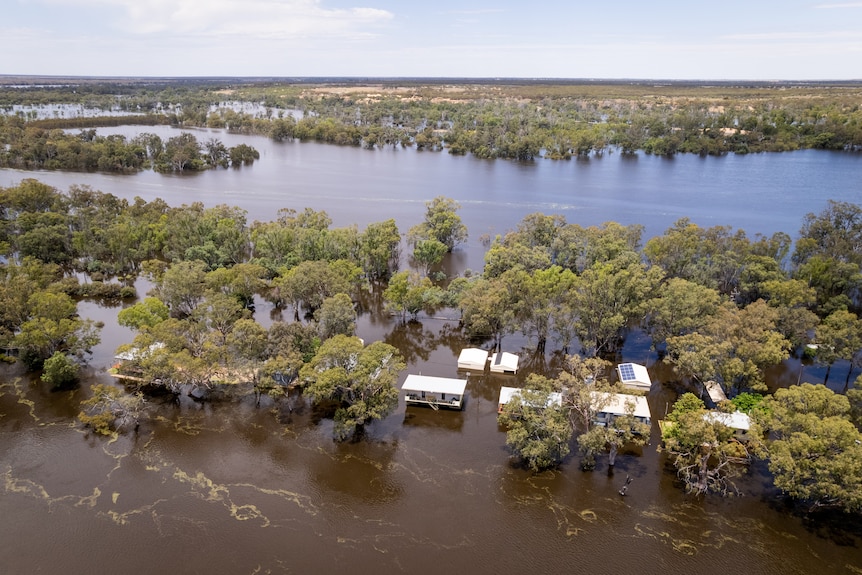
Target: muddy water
[235,488]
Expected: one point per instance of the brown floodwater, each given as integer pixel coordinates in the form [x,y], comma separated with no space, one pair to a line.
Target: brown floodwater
[230,487]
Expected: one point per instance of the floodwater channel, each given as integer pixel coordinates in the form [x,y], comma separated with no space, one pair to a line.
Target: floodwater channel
[231,487]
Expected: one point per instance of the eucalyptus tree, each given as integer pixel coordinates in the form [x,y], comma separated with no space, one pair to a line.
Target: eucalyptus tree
[407,294]
[380,249]
[607,296]
[536,296]
[487,310]
[815,454]
[704,450]
[335,316]
[310,282]
[359,379]
[839,336]
[441,223]
[538,430]
[734,348]
[679,307]
[52,325]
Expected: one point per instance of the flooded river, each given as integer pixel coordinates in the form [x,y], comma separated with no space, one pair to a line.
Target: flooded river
[235,488]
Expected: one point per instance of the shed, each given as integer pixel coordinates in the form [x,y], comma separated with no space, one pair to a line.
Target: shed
[473,358]
[615,406]
[434,392]
[507,394]
[503,362]
[634,376]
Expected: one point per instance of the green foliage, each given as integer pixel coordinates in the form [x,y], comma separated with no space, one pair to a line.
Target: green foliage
[52,326]
[428,253]
[839,336]
[733,348]
[361,380]
[110,409]
[705,452]
[687,403]
[379,249]
[442,223]
[748,402]
[336,316]
[60,371]
[144,314]
[407,294]
[682,307]
[538,430]
[487,310]
[607,296]
[816,453]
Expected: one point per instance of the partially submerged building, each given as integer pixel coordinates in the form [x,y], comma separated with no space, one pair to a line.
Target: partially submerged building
[634,376]
[435,392]
[508,394]
[504,362]
[473,359]
[739,422]
[617,405]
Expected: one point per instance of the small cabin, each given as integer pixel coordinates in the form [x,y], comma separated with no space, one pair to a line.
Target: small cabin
[435,392]
[473,359]
[616,406]
[507,394]
[739,422]
[503,362]
[634,376]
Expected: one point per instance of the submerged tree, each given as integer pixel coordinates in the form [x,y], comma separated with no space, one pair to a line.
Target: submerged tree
[361,380]
[623,430]
[110,409]
[733,348]
[816,453]
[442,223]
[538,428]
[705,452]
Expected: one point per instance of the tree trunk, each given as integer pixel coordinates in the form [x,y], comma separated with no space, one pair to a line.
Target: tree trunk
[847,381]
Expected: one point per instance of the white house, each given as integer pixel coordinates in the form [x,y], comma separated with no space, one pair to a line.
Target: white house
[739,422]
[508,394]
[473,359]
[435,392]
[616,405]
[503,362]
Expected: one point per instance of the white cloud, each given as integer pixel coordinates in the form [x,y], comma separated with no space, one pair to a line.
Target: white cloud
[258,18]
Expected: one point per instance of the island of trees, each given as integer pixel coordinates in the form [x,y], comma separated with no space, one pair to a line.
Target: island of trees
[719,306]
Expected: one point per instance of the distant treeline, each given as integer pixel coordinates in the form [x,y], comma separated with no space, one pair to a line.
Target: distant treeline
[518,120]
[101,122]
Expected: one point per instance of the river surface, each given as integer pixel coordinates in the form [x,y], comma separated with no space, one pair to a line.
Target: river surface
[228,487]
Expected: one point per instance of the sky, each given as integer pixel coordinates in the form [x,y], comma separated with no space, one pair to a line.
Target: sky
[643,39]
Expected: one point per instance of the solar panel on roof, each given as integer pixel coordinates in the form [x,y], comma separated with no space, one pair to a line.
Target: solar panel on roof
[627,371]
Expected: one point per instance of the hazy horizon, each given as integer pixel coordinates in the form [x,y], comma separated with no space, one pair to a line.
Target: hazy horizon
[737,41]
